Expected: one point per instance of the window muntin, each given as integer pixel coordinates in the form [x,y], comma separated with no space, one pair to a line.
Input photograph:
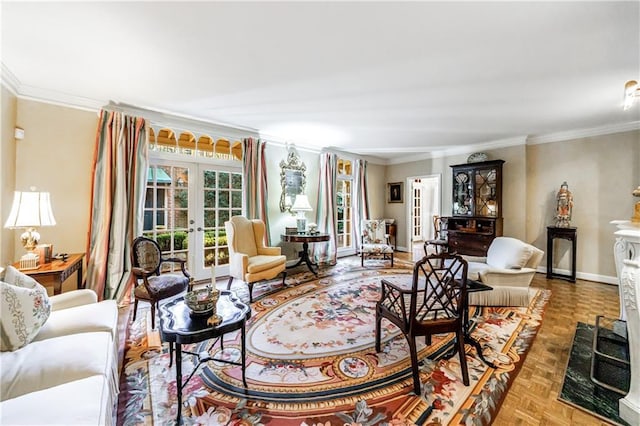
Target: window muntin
[166,211]
[222,199]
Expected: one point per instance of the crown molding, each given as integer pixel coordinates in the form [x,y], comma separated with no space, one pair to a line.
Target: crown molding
[31,93]
[584,133]
[275,141]
[59,98]
[9,80]
[460,150]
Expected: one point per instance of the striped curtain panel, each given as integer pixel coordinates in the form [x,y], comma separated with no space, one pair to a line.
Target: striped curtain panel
[117,201]
[327,253]
[254,174]
[361,199]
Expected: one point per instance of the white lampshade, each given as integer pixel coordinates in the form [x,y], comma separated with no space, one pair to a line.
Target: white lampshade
[301,204]
[30,210]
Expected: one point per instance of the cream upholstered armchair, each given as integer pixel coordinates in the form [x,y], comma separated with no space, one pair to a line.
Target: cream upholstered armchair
[375,242]
[509,267]
[249,259]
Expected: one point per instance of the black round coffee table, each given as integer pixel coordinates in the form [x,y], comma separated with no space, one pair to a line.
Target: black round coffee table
[178,326]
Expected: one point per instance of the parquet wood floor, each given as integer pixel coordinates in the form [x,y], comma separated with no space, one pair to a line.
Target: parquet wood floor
[532,398]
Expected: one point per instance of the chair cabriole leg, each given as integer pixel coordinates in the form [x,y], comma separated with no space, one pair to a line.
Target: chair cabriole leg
[153,314]
[135,309]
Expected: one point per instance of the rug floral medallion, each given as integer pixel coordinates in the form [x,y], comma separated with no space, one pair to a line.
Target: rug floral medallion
[311,361]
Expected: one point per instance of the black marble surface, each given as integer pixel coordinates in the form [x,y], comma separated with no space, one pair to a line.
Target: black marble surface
[578,389]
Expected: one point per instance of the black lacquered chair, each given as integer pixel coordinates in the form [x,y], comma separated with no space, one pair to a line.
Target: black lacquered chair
[435,303]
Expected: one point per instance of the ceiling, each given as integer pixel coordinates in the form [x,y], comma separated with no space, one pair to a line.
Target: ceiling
[390,80]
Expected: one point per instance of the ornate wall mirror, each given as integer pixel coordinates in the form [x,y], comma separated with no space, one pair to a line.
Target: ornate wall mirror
[292,179]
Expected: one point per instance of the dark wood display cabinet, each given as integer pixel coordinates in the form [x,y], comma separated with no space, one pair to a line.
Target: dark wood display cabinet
[477,207]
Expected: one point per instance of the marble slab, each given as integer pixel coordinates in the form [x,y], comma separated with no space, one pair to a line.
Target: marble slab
[578,389]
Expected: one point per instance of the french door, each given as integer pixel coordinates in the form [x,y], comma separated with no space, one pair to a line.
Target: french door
[186,206]
[416,211]
[426,194]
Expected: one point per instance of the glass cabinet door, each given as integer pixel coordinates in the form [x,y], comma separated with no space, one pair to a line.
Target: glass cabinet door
[463,193]
[477,189]
[485,195]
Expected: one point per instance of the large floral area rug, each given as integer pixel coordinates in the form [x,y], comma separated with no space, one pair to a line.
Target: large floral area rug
[311,361]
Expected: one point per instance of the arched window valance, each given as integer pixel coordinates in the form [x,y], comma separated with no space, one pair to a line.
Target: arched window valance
[187,143]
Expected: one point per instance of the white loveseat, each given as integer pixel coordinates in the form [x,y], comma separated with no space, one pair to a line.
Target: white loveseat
[68,374]
[509,267]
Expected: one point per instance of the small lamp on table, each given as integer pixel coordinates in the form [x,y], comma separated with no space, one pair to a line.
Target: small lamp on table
[301,205]
[30,210]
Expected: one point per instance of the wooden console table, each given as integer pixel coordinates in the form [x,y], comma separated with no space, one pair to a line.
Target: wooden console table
[570,234]
[58,270]
[305,239]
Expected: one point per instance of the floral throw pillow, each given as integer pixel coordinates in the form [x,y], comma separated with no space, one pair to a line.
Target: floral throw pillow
[25,308]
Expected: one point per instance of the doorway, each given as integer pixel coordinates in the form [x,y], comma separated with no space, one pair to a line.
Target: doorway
[424,203]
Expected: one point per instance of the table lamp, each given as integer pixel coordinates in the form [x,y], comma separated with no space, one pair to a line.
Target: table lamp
[30,210]
[301,205]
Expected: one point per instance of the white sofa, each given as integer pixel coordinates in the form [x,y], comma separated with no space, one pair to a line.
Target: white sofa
[509,267]
[68,374]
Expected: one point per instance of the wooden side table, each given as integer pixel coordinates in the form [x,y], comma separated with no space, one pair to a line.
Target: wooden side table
[305,239]
[570,234]
[58,270]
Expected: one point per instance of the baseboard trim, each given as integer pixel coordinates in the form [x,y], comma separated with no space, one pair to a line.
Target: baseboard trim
[605,279]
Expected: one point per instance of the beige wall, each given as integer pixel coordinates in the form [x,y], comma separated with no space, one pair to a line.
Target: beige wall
[7,174]
[376,186]
[601,173]
[56,155]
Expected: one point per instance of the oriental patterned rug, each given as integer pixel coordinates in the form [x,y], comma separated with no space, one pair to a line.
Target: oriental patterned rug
[311,361]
